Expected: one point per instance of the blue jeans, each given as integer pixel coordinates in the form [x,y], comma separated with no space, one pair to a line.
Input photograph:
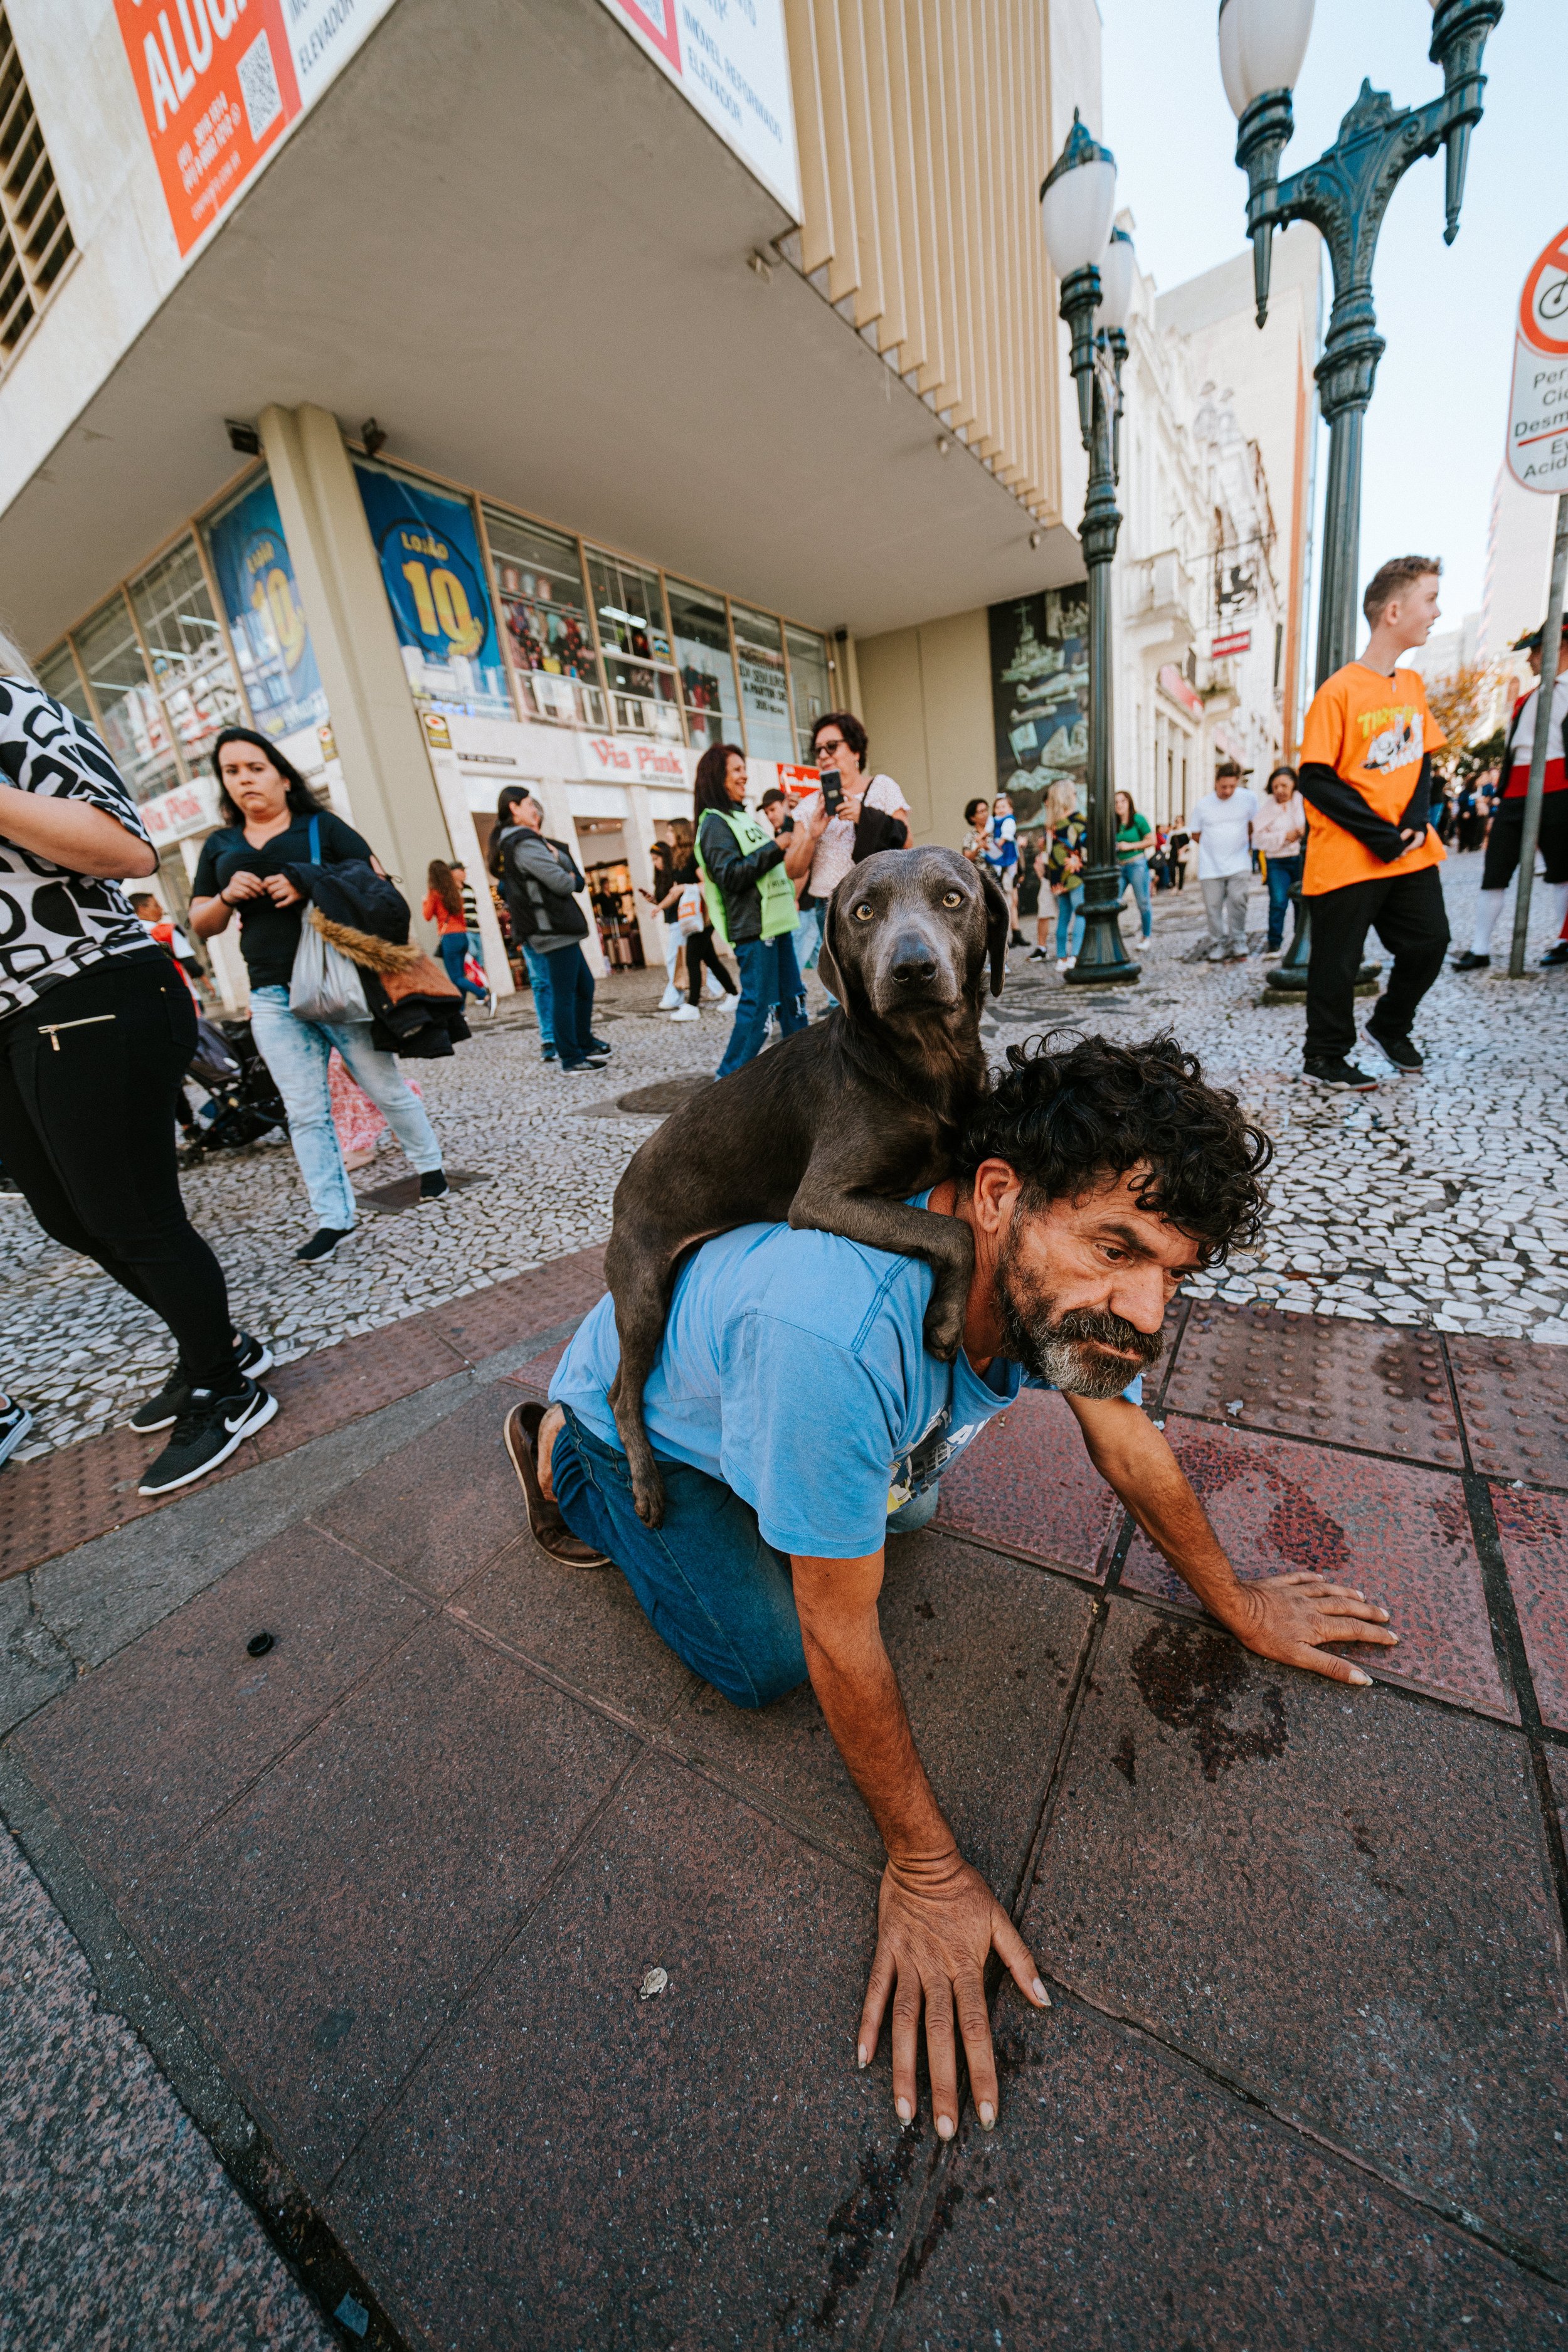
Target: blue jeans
[1069,909]
[454,946]
[769,976]
[714,1590]
[1282,877]
[568,998]
[808,938]
[297,1053]
[539,980]
[1135,872]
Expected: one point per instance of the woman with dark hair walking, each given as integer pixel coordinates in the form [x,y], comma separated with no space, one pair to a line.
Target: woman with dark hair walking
[269,817]
[444,906]
[749,874]
[96,1029]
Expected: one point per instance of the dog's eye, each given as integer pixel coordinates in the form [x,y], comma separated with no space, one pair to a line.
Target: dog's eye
[863,911]
[952,897]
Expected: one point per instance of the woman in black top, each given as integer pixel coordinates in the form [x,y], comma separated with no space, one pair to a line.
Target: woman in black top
[96,1029]
[270,816]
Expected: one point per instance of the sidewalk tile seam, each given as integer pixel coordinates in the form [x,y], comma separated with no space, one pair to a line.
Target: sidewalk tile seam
[410,1584]
[641,1728]
[1469,2224]
[462,2001]
[1083,1672]
[221,2107]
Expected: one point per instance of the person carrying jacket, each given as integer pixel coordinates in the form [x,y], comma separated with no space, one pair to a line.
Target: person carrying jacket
[540,882]
[748,874]
[1371,853]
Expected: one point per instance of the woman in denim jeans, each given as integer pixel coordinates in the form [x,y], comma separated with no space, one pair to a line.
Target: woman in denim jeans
[268,811]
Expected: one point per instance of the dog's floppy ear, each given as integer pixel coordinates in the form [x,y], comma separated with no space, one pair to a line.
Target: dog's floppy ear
[998,929]
[826,963]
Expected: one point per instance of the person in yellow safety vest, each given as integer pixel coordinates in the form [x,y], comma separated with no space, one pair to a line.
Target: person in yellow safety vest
[748,878]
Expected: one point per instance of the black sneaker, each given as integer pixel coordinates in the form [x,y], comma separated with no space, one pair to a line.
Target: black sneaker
[597,1045]
[1559,954]
[1470,962]
[1399,1050]
[1339,1073]
[16,1421]
[547,1054]
[322,1244]
[206,1433]
[433,1185]
[252,1357]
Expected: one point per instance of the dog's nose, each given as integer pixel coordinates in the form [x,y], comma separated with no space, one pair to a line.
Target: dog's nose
[914,962]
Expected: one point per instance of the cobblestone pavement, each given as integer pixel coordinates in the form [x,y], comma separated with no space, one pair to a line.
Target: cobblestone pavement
[120,2227]
[1437,1199]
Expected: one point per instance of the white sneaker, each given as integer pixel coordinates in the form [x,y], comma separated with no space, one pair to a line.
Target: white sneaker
[671,999]
[687,1012]
[714,991]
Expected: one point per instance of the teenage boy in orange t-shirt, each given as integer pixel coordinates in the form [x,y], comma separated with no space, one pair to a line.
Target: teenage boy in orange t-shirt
[1371,857]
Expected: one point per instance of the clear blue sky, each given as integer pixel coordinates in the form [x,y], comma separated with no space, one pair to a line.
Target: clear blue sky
[1436,427]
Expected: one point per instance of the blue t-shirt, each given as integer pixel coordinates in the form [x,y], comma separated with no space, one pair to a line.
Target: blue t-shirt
[793,1370]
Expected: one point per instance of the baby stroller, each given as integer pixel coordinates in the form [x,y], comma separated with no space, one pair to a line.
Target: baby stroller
[243,1102]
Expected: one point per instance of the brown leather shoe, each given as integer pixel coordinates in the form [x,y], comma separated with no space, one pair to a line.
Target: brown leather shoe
[520,1432]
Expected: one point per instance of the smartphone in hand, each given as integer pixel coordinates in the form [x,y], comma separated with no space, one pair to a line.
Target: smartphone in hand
[832,789]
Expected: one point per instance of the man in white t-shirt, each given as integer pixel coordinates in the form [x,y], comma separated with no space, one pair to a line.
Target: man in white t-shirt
[838,741]
[1222,827]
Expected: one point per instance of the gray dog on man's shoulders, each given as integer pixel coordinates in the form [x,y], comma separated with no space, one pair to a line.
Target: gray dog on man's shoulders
[834,1127]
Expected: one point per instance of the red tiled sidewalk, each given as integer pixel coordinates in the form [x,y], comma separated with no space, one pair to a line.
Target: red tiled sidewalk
[81,1491]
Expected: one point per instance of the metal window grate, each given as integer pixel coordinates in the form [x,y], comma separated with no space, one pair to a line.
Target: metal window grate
[36,240]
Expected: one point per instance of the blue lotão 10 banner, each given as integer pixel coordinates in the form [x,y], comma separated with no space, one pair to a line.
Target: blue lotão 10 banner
[435,581]
[266,620]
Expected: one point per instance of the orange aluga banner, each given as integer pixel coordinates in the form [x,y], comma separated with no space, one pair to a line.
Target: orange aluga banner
[218,86]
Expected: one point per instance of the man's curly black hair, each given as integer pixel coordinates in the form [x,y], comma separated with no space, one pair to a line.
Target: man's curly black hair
[1066,1115]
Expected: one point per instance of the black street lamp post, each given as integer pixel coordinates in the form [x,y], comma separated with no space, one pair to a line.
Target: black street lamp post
[1344,195]
[1095,265]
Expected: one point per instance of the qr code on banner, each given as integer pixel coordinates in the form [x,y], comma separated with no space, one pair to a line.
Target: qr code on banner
[259,86]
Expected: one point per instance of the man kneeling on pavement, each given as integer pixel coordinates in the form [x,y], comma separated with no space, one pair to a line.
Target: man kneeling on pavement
[799,1422]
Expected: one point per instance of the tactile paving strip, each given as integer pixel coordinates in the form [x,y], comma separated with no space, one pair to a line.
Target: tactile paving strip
[1514,1398]
[1026,1484]
[1318,1376]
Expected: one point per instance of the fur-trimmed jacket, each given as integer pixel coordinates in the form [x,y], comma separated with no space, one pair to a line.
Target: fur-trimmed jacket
[416,1012]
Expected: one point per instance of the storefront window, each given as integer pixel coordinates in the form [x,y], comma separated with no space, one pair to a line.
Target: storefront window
[640,669]
[58,676]
[134,730]
[764,699]
[544,613]
[700,626]
[190,659]
[810,684]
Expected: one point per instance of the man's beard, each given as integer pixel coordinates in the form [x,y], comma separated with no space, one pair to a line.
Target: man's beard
[1067,1349]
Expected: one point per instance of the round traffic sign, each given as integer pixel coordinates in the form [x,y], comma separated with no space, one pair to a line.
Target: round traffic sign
[1543,305]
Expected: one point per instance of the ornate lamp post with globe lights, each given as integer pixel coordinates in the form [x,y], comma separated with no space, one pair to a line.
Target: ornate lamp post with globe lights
[1344,195]
[1095,265]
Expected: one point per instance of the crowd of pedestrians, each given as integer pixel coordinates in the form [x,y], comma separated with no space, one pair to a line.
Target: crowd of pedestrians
[101,990]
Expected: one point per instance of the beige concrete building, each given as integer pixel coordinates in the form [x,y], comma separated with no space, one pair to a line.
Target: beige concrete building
[539,391]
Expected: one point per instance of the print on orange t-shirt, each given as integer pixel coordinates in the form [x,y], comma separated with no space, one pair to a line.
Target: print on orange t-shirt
[1373,731]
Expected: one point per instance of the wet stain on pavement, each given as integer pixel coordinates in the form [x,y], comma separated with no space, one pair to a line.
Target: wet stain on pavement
[949,2199]
[1126,1759]
[1192,1679]
[865,2217]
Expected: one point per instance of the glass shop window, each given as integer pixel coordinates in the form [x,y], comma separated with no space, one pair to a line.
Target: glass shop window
[135,732]
[639,663]
[700,627]
[190,660]
[58,676]
[811,686]
[764,695]
[544,612]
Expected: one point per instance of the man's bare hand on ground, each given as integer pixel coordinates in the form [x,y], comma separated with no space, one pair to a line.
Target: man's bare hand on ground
[937,1925]
[1287,1617]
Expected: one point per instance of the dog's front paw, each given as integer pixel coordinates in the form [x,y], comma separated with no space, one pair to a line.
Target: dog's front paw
[942,1331]
[648,1494]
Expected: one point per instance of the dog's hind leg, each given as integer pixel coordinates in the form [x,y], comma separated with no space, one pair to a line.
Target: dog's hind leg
[640,1285]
